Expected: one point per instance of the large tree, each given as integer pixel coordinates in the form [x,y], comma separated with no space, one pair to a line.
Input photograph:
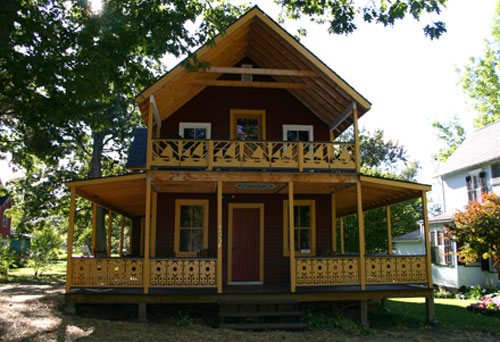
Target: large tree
[481,78]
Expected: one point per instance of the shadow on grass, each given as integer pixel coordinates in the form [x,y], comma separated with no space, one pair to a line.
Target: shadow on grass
[401,314]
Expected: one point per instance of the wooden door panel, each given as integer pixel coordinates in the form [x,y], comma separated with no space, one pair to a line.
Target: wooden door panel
[246,244]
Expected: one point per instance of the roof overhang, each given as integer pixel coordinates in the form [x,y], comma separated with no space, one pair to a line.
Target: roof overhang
[289,63]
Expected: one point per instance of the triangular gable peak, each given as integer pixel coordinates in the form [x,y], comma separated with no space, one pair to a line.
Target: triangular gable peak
[278,54]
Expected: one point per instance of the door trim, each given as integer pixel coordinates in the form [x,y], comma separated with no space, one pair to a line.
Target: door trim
[259,206]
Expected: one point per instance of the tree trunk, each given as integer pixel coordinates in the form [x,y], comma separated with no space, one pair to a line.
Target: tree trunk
[96,172]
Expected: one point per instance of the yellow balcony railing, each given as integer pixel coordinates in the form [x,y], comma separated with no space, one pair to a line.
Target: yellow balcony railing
[248,154]
[325,271]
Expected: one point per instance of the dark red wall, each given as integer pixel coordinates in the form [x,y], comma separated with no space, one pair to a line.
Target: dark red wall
[276,266]
[5,232]
[214,104]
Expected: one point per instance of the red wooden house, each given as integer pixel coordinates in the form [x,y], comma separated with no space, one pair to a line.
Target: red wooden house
[239,162]
[5,222]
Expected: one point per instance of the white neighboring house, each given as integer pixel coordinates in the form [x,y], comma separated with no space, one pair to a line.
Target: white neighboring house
[474,168]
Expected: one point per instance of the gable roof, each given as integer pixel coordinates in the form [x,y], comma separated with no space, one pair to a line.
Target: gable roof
[4,199]
[411,236]
[480,146]
[256,36]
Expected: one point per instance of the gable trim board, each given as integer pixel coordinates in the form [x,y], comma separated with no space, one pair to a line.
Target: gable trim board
[328,88]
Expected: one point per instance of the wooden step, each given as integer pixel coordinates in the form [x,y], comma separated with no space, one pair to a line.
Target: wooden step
[265,326]
[261,314]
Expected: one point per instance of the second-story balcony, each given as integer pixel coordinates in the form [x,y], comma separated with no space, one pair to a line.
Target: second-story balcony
[217,154]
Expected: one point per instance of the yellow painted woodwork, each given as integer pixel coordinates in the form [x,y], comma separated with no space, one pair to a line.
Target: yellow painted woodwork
[71,224]
[427,236]
[312,205]
[107,272]
[150,138]
[130,236]
[342,250]
[94,225]
[334,224]
[110,228]
[389,229]
[185,273]
[232,206]
[154,210]
[177,233]
[219,237]
[147,231]
[356,138]
[327,271]
[141,242]
[395,183]
[122,235]
[225,83]
[361,229]
[261,71]
[292,237]
[106,180]
[252,154]
[396,270]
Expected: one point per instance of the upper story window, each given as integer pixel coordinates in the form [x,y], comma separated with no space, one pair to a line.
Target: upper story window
[495,173]
[298,133]
[248,124]
[5,221]
[195,130]
[476,185]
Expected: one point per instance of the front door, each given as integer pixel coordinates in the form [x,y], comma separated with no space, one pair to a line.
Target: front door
[245,246]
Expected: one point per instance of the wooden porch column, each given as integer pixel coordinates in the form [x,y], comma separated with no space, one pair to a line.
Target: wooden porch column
[130,235]
[122,232]
[219,237]
[334,223]
[361,229]
[71,224]
[110,227]
[149,157]
[291,243]
[342,250]
[147,230]
[94,225]
[389,229]
[356,137]
[154,212]
[427,242]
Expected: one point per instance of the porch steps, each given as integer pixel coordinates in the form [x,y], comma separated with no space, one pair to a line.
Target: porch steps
[260,315]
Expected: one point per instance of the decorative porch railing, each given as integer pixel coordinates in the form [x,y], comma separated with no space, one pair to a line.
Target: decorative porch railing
[107,272]
[119,272]
[260,154]
[183,273]
[325,271]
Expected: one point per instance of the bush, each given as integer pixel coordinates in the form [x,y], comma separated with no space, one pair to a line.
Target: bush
[44,247]
[6,256]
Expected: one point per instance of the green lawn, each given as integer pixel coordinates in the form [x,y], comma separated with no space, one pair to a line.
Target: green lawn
[450,314]
[56,273]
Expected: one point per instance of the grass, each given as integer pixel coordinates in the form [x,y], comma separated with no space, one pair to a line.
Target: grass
[450,315]
[55,273]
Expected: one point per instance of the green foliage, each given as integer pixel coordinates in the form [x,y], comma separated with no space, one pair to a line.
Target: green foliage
[341,15]
[452,134]
[477,230]
[44,248]
[481,79]
[7,258]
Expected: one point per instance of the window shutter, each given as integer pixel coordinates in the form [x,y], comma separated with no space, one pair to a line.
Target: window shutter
[470,190]
[482,180]
[447,252]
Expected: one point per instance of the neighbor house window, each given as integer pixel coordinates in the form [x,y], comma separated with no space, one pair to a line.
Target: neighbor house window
[195,130]
[441,249]
[476,185]
[495,172]
[304,216]
[5,222]
[298,133]
[191,227]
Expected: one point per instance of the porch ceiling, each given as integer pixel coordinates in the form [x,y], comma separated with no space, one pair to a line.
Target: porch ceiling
[261,39]
[126,194]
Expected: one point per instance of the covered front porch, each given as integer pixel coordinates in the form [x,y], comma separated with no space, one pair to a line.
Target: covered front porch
[317,265]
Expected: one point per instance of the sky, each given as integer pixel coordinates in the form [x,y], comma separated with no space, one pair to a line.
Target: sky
[410,80]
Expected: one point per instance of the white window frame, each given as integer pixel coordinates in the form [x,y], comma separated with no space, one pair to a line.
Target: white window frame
[194,125]
[308,128]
